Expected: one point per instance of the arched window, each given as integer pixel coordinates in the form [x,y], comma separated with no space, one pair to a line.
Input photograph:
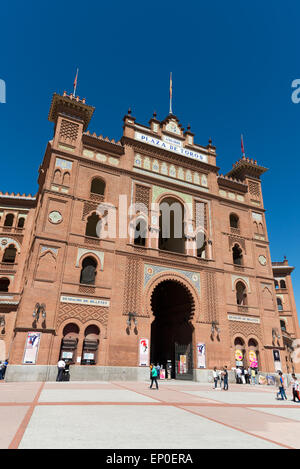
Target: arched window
[88,271]
[98,186]
[201,244]
[69,343]
[9,220]
[10,254]
[237,255]
[241,294]
[279,304]
[4,284]
[282,325]
[93,226]
[90,345]
[234,221]
[171,226]
[282,284]
[276,284]
[21,222]
[57,176]
[66,179]
[140,232]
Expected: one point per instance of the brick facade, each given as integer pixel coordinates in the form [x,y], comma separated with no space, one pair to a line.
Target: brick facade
[57,247]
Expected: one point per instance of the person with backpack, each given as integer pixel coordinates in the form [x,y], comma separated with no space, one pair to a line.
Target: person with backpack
[153,376]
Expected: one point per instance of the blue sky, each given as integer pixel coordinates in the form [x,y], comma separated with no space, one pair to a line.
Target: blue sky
[232,62]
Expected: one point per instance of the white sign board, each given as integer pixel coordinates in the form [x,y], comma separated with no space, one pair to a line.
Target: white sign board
[166,145]
[84,301]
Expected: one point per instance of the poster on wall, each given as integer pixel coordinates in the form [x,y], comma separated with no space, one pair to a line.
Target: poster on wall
[31,348]
[144,352]
[238,358]
[277,361]
[253,359]
[201,355]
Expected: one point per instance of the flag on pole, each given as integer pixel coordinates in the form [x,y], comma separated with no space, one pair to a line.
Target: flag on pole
[75,83]
[242,145]
[171,93]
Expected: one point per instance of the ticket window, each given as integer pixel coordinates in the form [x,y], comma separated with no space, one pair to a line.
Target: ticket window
[90,345]
[68,350]
[90,352]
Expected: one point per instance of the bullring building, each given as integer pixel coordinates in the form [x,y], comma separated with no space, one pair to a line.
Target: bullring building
[139,251]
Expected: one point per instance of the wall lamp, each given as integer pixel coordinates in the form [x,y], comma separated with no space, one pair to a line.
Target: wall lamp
[131,319]
[39,309]
[215,328]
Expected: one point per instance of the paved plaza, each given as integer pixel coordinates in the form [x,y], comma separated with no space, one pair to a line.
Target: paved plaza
[129,415]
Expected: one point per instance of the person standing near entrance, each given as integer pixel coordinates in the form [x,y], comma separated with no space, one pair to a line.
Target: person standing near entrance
[215,377]
[154,377]
[295,388]
[61,366]
[225,377]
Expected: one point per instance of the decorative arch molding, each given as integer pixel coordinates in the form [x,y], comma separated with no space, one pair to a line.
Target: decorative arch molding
[192,277]
[5,242]
[83,252]
[236,278]
[181,280]
[159,193]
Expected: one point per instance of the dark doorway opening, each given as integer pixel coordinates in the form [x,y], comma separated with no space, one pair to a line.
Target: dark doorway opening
[172,330]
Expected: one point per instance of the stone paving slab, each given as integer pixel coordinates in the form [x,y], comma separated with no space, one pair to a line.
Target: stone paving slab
[272,427]
[288,413]
[129,415]
[10,421]
[92,395]
[244,398]
[129,427]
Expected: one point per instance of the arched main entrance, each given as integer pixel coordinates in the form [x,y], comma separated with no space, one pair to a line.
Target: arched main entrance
[171,330]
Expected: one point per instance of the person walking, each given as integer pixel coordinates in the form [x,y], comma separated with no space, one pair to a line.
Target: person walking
[253,376]
[295,388]
[154,377]
[215,377]
[158,370]
[61,366]
[225,377]
[280,383]
[246,375]
[1,370]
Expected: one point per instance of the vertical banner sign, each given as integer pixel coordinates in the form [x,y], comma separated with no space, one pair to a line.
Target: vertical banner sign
[31,348]
[201,355]
[144,352]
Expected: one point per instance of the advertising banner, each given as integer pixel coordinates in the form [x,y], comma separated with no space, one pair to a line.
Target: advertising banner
[144,352]
[31,348]
[201,355]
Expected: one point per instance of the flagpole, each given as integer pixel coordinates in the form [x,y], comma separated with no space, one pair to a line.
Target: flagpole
[171,94]
[75,83]
[242,145]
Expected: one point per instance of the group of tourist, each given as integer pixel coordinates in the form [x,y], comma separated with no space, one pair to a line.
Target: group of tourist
[245,375]
[221,376]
